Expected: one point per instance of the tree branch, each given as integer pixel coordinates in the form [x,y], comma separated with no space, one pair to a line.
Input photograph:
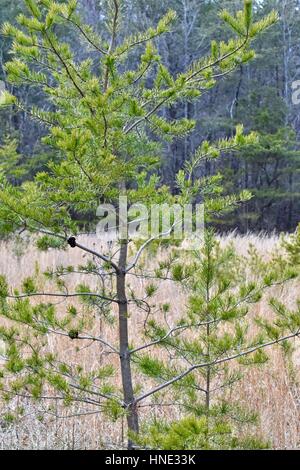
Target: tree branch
[142,248]
[213,363]
[87,337]
[67,295]
[99,49]
[170,332]
[81,247]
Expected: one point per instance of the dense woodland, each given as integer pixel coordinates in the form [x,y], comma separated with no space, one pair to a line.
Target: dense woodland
[257,94]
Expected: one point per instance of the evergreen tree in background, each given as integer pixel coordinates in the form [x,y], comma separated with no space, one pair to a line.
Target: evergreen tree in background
[265,82]
[106,118]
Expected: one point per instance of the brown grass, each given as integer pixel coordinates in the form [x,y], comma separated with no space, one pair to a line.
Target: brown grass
[271,390]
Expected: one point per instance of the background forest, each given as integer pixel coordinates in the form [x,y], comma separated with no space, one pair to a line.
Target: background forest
[258,94]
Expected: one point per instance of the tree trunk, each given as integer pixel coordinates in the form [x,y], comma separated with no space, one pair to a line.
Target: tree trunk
[132,414]
[208,372]
[208,369]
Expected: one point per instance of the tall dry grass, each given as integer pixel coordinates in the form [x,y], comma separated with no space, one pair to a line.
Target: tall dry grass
[271,390]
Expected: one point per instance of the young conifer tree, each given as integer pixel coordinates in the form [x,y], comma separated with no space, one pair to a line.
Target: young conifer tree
[105,118]
[217,329]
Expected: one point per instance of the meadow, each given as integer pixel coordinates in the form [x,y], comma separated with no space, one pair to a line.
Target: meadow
[272,390]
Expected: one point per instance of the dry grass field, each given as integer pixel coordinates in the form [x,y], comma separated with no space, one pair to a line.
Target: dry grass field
[272,390]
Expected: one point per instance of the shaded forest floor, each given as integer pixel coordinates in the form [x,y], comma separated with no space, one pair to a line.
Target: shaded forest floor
[272,390]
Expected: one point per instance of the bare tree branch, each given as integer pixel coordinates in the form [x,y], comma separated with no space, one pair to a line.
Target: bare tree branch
[144,246]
